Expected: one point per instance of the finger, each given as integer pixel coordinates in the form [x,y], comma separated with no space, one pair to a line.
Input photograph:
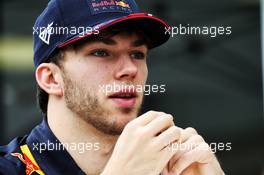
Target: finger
[167,137]
[186,134]
[159,124]
[192,169]
[189,145]
[191,130]
[201,154]
[167,153]
[165,170]
[175,147]
[147,117]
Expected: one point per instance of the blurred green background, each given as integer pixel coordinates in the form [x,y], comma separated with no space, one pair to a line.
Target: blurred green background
[212,84]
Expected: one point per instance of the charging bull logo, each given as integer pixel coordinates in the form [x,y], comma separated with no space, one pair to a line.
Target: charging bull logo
[122,4]
[29,161]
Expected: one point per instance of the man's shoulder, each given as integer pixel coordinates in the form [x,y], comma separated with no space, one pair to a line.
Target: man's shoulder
[10,155]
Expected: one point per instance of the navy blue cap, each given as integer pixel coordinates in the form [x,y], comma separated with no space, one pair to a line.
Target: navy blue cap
[67,21]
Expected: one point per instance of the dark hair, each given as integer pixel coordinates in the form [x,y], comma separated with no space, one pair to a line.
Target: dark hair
[58,55]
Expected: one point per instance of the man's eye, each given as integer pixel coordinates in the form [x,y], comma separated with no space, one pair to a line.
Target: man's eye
[138,55]
[100,53]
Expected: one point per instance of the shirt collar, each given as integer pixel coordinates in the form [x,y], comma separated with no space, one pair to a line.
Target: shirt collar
[49,152]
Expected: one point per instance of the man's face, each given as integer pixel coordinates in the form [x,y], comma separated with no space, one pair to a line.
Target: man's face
[98,66]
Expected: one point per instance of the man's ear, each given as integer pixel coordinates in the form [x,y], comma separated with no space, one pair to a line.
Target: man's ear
[49,78]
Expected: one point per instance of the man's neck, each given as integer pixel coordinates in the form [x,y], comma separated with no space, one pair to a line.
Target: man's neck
[94,148]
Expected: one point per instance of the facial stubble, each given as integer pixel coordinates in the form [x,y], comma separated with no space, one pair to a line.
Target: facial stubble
[85,104]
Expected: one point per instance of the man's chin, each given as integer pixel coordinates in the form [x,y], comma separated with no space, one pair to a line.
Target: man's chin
[124,115]
[127,111]
[115,120]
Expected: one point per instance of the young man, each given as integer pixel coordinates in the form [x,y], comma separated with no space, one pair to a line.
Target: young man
[86,129]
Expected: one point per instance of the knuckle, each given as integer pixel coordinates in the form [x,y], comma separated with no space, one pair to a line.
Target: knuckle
[191,130]
[136,132]
[131,126]
[170,116]
[199,138]
[173,129]
[151,112]
[166,118]
[176,130]
[141,133]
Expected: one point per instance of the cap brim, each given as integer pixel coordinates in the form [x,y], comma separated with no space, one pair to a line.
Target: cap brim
[155,28]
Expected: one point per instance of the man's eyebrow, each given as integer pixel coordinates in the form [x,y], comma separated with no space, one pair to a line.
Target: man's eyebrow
[109,41]
[138,43]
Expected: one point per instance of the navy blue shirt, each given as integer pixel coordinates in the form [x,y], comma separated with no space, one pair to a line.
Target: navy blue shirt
[22,156]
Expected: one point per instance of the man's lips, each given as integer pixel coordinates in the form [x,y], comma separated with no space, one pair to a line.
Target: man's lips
[124,99]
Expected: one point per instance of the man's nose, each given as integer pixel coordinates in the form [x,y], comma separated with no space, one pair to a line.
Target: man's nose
[126,68]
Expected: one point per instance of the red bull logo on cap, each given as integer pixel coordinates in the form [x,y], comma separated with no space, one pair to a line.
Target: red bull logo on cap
[110,3]
[101,6]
